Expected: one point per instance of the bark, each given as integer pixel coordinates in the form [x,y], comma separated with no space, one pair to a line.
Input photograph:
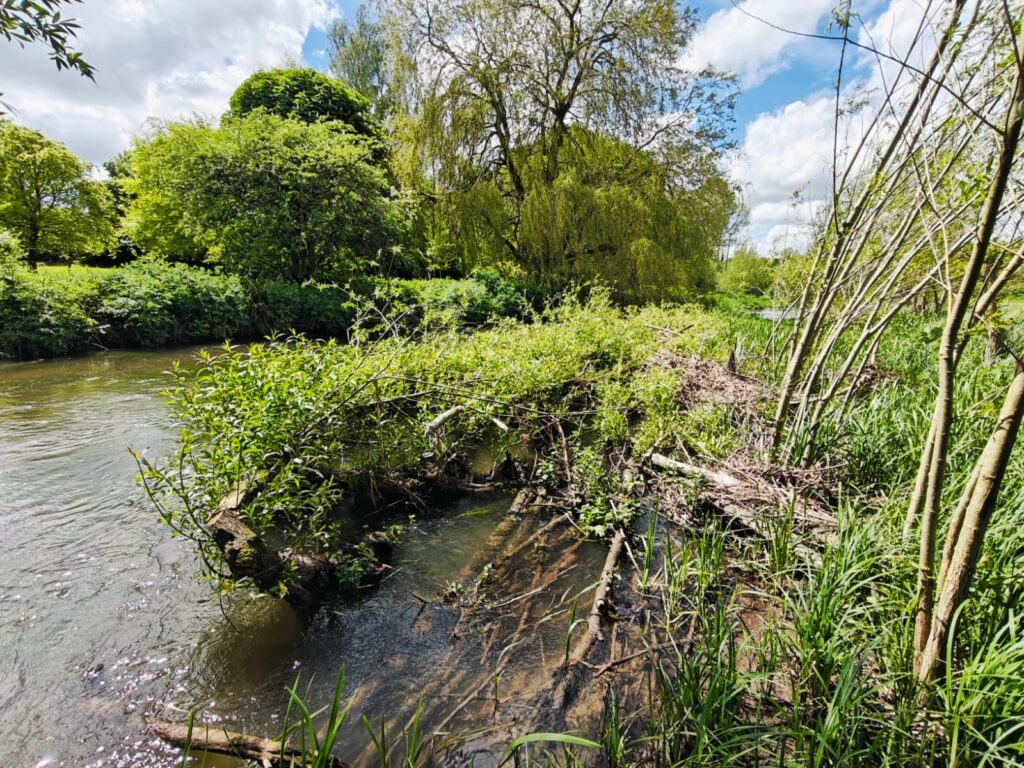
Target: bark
[209,738]
[942,415]
[993,336]
[248,556]
[308,579]
[958,570]
[599,608]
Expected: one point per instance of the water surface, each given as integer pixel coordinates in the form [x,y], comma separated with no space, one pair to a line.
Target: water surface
[105,617]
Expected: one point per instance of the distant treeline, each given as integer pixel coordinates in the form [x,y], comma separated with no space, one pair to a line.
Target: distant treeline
[380,169]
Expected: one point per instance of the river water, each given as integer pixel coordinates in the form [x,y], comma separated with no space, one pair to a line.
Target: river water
[104,616]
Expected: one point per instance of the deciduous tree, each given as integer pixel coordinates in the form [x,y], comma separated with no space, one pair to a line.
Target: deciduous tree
[47,198]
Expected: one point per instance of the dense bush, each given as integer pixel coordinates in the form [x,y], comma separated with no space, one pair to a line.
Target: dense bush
[60,311]
[746,273]
[45,314]
[264,197]
[63,310]
[153,303]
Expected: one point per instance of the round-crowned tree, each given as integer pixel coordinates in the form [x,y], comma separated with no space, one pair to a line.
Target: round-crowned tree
[306,95]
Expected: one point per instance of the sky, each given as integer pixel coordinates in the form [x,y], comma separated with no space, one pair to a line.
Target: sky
[166,58]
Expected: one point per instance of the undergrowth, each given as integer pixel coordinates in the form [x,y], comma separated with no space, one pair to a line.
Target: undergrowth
[765,659]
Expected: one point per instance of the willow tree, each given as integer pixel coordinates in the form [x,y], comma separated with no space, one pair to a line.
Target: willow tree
[494,91]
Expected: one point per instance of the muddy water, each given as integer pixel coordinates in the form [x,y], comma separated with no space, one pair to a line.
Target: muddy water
[104,617]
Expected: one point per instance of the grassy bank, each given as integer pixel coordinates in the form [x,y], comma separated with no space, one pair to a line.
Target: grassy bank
[57,311]
[764,656]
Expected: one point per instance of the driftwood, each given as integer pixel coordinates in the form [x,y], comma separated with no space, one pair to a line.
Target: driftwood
[721,495]
[599,607]
[439,421]
[211,738]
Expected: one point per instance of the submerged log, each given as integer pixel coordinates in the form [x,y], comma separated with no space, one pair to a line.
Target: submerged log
[599,609]
[212,738]
[308,579]
[248,556]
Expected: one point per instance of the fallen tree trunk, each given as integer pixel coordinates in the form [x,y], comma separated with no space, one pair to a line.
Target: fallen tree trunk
[203,737]
[308,579]
[248,556]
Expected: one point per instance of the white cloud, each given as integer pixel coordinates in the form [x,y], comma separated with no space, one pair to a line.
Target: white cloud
[784,164]
[783,169]
[735,41]
[152,59]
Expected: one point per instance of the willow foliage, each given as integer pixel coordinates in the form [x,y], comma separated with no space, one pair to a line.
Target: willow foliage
[563,139]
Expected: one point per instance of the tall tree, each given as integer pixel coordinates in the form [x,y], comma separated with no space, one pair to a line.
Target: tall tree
[303,94]
[359,59]
[496,92]
[47,198]
[263,196]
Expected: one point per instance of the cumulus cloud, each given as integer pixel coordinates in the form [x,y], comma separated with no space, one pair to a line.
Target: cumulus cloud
[783,168]
[152,60]
[733,40]
[784,164]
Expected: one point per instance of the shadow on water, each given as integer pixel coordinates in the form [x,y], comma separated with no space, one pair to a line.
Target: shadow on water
[105,617]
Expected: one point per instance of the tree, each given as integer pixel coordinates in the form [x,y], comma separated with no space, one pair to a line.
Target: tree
[746,272]
[263,196]
[47,198]
[303,94]
[42,21]
[495,94]
[359,59]
[929,197]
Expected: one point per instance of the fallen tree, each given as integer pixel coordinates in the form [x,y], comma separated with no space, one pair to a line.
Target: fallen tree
[205,737]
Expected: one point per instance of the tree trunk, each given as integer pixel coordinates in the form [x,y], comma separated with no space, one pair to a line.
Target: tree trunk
[958,571]
[993,336]
[942,415]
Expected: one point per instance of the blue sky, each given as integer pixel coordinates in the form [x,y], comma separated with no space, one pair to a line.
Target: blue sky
[164,59]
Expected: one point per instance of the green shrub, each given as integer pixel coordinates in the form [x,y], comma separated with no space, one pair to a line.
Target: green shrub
[746,272]
[11,252]
[44,314]
[152,303]
[313,309]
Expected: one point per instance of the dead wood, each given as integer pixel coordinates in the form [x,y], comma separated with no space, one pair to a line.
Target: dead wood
[600,607]
[742,501]
[205,737]
[308,579]
[441,419]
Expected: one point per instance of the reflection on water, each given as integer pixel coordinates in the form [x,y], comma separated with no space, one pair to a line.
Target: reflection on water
[105,617]
[96,602]
[775,314]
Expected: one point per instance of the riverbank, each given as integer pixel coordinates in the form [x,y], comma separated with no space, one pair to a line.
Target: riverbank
[763,609]
[57,311]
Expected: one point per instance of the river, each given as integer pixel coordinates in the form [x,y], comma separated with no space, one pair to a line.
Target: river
[105,617]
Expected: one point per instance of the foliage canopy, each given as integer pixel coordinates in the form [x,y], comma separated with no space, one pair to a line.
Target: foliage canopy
[305,95]
[47,199]
[263,196]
